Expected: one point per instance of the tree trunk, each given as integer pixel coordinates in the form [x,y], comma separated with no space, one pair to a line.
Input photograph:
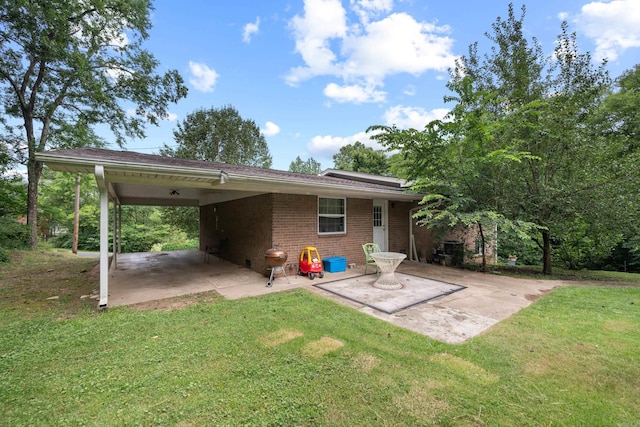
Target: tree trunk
[546,252]
[34,171]
[76,217]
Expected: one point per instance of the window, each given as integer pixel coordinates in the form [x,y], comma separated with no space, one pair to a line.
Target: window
[377,216]
[332,216]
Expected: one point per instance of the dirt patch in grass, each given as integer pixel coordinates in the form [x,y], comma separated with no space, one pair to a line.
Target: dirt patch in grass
[422,402]
[321,347]
[465,369]
[534,297]
[176,303]
[617,325]
[365,362]
[280,337]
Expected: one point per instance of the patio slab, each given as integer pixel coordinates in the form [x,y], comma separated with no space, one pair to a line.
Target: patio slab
[452,318]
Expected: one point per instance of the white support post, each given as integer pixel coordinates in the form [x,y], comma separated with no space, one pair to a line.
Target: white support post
[104,236]
[119,228]
[115,234]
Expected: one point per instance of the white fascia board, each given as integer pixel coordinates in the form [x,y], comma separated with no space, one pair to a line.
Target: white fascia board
[83,163]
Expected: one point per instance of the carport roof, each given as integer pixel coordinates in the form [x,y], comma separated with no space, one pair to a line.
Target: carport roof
[147,179]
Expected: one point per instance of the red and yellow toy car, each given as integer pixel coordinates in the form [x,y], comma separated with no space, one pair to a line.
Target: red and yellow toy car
[310,263]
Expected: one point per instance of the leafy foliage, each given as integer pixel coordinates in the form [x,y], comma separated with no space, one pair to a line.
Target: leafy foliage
[13,235]
[220,135]
[13,191]
[359,158]
[66,66]
[309,166]
[525,144]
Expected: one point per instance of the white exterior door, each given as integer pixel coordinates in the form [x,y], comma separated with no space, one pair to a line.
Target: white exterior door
[380,223]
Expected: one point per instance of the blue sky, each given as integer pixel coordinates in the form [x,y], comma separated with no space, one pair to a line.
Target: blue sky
[314,74]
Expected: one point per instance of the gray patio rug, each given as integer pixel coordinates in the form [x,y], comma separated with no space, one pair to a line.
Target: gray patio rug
[415,290]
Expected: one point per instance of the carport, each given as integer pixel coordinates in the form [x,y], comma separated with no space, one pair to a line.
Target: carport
[135,182]
[129,178]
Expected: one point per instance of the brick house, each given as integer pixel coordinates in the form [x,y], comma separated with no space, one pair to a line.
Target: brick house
[254,208]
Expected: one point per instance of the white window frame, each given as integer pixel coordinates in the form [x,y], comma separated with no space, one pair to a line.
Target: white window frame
[343,215]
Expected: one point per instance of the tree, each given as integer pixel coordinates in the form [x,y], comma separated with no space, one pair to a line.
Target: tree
[310,166]
[621,126]
[66,66]
[457,164]
[220,135]
[620,110]
[519,142]
[359,158]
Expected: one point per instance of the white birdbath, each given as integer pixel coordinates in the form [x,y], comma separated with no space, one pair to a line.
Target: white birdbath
[387,263]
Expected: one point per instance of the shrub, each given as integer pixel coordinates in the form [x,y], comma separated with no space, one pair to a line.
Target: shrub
[4,256]
[13,235]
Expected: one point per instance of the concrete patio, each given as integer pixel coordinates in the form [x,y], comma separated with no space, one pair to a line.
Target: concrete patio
[453,318]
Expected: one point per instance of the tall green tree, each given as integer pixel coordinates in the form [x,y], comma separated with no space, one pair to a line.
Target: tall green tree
[309,166]
[359,158]
[457,164]
[621,125]
[66,66]
[220,135]
[519,143]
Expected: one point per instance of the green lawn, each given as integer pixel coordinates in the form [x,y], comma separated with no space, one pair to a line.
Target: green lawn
[294,358]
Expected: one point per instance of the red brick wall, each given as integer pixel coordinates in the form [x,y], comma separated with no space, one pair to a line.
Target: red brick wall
[255,224]
[295,226]
[398,222]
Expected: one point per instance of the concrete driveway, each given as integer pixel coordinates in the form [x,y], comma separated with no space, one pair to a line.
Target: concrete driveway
[453,318]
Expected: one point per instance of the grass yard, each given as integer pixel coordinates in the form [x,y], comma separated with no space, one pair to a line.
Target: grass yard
[295,358]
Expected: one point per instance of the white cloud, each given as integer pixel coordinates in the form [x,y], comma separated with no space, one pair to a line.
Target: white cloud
[398,44]
[202,78]
[250,29]
[614,26]
[327,145]
[270,129]
[323,21]
[353,93]
[367,9]
[412,117]
[364,53]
